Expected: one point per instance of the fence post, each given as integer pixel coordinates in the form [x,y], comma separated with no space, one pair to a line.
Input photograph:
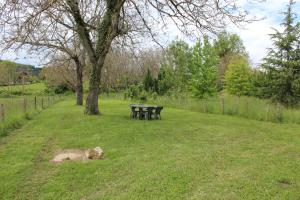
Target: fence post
[48,101]
[2,113]
[223,105]
[237,105]
[247,107]
[42,102]
[205,107]
[279,113]
[25,105]
[267,113]
[35,106]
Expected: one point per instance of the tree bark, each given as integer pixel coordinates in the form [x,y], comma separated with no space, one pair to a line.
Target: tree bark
[91,107]
[79,82]
[107,30]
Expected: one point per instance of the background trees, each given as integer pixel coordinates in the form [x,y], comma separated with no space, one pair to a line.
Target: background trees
[226,46]
[12,73]
[106,21]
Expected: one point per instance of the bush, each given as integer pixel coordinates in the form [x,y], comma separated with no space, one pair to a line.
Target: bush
[58,89]
[134,91]
[143,96]
[154,95]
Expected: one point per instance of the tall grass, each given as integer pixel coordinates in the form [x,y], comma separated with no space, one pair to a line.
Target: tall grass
[15,110]
[246,107]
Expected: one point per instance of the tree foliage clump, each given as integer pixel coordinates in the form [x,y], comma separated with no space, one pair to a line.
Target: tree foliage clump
[178,58]
[238,76]
[165,79]
[226,46]
[203,67]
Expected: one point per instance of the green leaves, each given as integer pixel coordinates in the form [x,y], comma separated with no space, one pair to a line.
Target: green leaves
[203,67]
[238,76]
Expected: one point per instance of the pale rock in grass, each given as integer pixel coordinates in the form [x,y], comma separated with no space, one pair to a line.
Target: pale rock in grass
[78,155]
[96,153]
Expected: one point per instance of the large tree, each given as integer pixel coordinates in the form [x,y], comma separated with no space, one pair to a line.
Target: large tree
[282,63]
[44,31]
[117,17]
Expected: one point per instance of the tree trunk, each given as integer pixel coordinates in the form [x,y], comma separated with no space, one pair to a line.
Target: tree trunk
[91,107]
[107,30]
[79,83]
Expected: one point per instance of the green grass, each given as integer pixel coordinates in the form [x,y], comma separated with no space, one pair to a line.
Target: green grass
[30,89]
[186,155]
[18,109]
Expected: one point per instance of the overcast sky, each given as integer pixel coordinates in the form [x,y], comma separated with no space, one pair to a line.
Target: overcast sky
[255,35]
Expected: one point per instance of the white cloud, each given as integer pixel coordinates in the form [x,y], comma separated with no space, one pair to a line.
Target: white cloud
[256,35]
[22,57]
[256,38]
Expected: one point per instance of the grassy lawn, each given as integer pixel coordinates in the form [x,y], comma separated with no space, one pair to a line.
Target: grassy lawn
[15,107]
[186,155]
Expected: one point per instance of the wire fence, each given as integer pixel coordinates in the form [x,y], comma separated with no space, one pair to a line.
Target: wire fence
[14,110]
[246,107]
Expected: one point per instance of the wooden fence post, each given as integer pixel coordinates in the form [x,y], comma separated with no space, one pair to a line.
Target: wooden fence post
[35,106]
[48,101]
[267,113]
[25,105]
[205,106]
[279,113]
[223,105]
[2,113]
[247,107]
[42,102]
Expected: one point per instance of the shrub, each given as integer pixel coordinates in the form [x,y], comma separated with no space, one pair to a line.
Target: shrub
[143,96]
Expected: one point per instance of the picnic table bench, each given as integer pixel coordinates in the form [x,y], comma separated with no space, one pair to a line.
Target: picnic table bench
[140,111]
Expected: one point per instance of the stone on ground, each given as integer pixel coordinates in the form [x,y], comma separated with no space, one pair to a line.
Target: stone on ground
[78,155]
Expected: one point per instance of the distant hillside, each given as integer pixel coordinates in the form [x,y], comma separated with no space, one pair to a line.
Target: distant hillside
[14,73]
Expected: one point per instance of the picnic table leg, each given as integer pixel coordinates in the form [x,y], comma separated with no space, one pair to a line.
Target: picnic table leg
[149,114]
[141,113]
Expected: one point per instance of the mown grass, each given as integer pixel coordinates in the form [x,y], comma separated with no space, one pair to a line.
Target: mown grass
[19,104]
[186,155]
[14,111]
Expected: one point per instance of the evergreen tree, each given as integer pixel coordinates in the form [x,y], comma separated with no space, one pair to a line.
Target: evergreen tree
[259,83]
[165,80]
[283,63]
[148,81]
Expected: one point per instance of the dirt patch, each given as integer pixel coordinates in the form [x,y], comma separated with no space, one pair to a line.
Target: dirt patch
[78,155]
[284,182]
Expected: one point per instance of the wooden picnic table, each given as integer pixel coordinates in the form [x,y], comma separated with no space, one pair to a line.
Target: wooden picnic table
[142,111]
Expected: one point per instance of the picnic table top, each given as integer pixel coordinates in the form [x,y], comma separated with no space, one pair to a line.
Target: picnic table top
[143,106]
